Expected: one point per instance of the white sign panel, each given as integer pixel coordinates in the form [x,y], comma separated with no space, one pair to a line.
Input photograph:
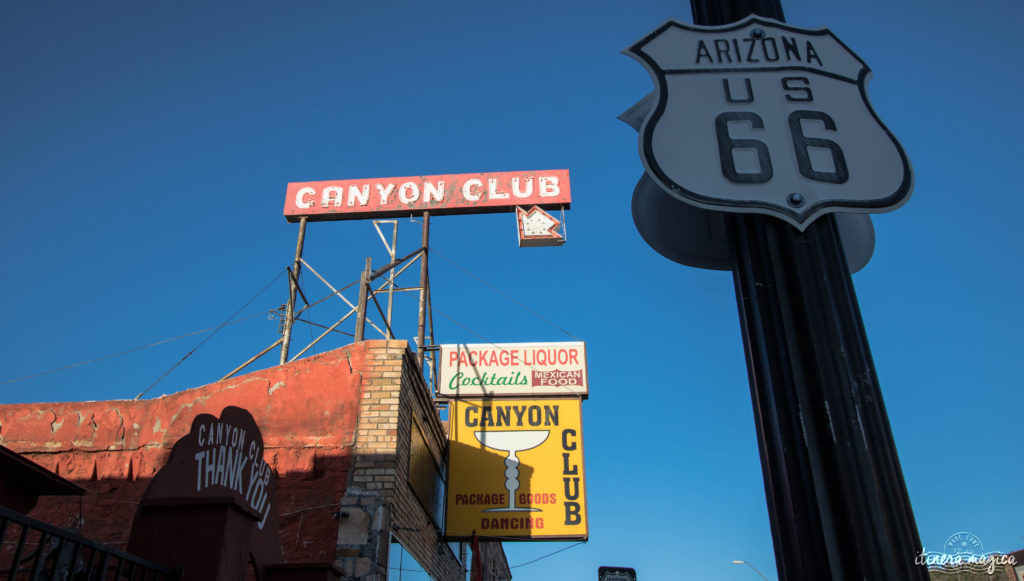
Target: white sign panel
[512,369]
[758,116]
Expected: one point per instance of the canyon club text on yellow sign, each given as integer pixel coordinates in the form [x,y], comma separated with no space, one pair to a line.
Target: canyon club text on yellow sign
[516,469]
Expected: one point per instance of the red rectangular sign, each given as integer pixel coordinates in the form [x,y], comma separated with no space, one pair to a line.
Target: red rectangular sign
[441,194]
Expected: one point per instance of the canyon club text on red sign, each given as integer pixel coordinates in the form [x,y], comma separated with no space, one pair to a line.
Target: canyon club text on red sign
[438,194]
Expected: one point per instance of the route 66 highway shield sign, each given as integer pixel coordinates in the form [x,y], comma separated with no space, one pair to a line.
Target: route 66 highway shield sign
[758,116]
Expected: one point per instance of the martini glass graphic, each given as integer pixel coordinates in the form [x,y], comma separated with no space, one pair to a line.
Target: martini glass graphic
[512,442]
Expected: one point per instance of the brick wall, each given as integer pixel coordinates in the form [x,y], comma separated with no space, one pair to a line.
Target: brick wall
[393,394]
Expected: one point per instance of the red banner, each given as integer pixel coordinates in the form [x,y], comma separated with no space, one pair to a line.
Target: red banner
[440,194]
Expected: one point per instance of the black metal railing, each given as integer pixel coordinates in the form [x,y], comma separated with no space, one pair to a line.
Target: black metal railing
[32,550]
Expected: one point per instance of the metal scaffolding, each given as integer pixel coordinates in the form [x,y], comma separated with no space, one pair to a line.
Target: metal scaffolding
[386,276]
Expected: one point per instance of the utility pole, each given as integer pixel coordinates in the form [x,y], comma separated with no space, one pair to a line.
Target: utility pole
[837,501]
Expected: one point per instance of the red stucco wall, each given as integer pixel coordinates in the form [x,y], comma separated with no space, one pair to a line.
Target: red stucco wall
[306,411]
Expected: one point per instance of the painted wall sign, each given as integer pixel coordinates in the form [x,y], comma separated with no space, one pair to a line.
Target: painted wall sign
[220,457]
[223,457]
[440,194]
[516,469]
[759,116]
[513,369]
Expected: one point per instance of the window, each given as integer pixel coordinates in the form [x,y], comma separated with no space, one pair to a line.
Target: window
[402,566]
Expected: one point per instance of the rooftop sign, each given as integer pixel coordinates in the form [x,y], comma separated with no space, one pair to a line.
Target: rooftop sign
[439,194]
[513,369]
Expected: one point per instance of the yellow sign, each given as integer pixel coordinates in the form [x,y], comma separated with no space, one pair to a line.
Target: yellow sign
[516,469]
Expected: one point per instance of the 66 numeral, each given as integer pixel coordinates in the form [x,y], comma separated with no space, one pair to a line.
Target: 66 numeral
[801,144]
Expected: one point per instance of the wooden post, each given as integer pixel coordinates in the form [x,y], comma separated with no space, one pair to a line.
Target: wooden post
[364,287]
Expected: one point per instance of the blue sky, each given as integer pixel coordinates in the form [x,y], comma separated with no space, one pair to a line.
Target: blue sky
[148,145]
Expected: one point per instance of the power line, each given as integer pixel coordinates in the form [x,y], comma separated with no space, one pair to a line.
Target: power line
[127,351]
[207,338]
[452,319]
[546,555]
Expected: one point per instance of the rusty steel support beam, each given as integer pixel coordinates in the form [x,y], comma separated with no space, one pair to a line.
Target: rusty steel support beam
[253,358]
[390,333]
[421,329]
[391,277]
[338,294]
[293,287]
[390,284]
[433,356]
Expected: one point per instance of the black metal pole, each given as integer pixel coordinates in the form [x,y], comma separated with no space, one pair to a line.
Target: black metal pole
[837,501]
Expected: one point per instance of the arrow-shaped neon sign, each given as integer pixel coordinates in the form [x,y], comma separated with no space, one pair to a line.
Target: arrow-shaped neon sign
[538,228]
